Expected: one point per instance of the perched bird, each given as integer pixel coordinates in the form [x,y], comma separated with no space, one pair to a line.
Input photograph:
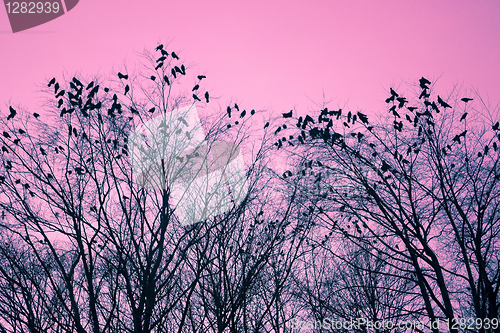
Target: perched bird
[56,87]
[183,121]
[424,94]
[21,131]
[266,125]
[229,111]
[463,116]
[287,114]
[76,81]
[159,47]
[152,110]
[201,77]
[183,70]
[4,149]
[195,87]
[174,73]
[165,78]
[60,93]
[196,98]
[122,76]
[465,99]
[60,102]
[401,101]
[496,126]
[90,85]
[412,108]
[51,82]
[36,115]
[175,56]
[161,59]
[243,113]
[153,77]
[393,93]
[127,89]
[163,52]
[236,107]
[7,135]
[252,112]
[207,96]
[443,103]
[159,65]
[424,82]
[43,151]
[363,118]
[12,113]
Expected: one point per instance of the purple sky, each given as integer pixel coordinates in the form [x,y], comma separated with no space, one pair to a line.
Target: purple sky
[272,55]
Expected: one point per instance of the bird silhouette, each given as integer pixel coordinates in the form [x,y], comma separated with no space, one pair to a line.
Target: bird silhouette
[266,125]
[496,126]
[195,87]
[207,96]
[161,59]
[21,131]
[463,116]
[44,153]
[165,53]
[252,112]
[158,66]
[393,93]
[183,121]
[76,81]
[435,107]
[412,108]
[424,82]
[127,89]
[60,102]
[152,110]
[236,107]
[51,82]
[122,76]
[196,98]
[390,99]
[4,149]
[423,94]
[153,77]
[174,73]
[159,47]
[229,111]
[401,101]
[12,113]
[56,87]
[183,70]
[243,113]
[443,103]
[465,99]
[175,56]
[106,89]
[165,78]
[288,114]
[7,135]
[90,85]
[36,115]
[200,77]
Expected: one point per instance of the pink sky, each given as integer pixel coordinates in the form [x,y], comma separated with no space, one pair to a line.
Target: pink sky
[272,55]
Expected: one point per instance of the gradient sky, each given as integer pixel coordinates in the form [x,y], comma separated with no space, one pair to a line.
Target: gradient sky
[272,55]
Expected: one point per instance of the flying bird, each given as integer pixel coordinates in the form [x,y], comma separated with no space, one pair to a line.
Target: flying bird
[175,56]
[207,96]
[201,77]
[287,114]
[52,82]
[12,113]
[196,98]
[466,99]
[443,103]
